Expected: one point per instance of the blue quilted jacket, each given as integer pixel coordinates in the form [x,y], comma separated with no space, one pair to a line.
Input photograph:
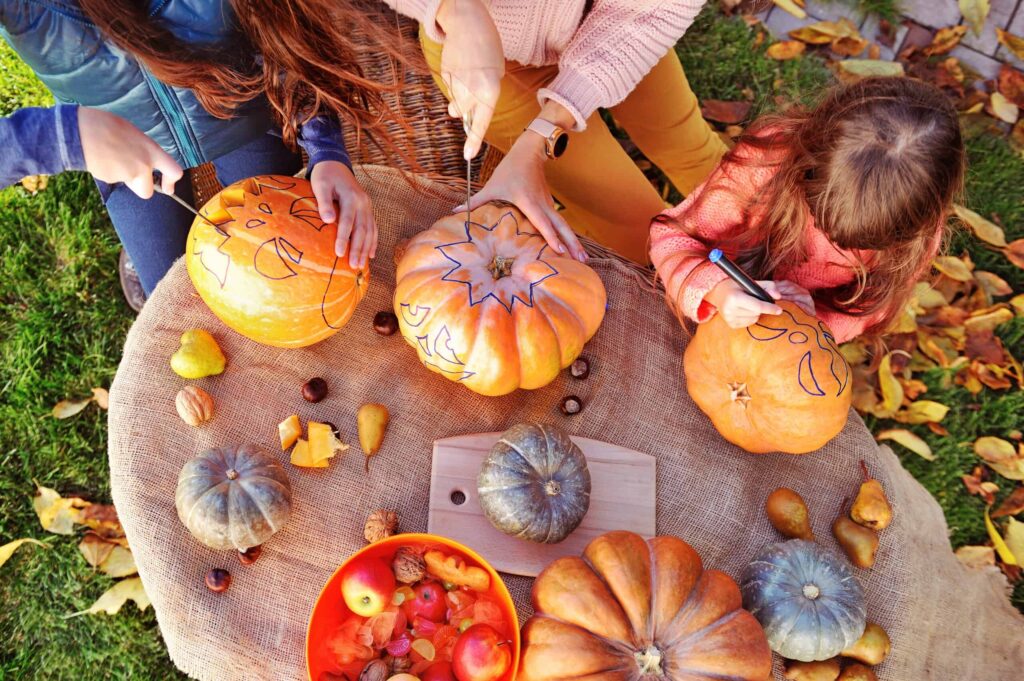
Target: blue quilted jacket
[70,56]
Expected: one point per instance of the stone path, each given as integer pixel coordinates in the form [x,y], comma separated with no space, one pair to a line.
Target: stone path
[922,17]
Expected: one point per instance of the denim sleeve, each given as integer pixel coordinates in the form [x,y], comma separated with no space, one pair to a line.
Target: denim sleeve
[321,137]
[40,141]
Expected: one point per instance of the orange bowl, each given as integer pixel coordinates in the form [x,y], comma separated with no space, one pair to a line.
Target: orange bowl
[330,611]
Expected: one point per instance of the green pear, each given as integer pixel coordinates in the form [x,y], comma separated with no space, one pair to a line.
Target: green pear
[198,356]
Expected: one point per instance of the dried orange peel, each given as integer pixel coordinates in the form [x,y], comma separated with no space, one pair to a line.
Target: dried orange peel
[453,569]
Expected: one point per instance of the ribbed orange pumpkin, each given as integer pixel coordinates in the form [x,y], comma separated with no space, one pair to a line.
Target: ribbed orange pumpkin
[780,385]
[490,305]
[632,609]
[266,265]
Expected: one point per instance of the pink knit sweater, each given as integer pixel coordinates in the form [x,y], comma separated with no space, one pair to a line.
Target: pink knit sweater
[601,57]
[734,185]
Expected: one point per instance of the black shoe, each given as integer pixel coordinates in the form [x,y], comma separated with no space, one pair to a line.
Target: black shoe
[130,284]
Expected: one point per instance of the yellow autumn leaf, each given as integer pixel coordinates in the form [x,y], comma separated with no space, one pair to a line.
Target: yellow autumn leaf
[120,563]
[992,284]
[865,68]
[908,440]
[922,411]
[791,7]
[65,409]
[1015,538]
[8,549]
[1003,109]
[785,50]
[116,596]
[1001,456]
[975,13]
[954,268]
[988,321]
[1013,43]
[94,549]
[56,514]
[987,231]
[1017,303]
[976,557]
[102,397]
[928,297]
[892,391]
[1005,554]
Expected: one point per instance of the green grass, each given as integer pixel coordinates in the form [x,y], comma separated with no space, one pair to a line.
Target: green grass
[62,324]
[63,321]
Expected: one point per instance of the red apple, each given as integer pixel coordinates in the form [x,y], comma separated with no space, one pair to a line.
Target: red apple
[429,603]
[367,586]
[439,671]
[481,654]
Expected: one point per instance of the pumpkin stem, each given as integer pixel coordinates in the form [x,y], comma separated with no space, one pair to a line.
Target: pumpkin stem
[649,661]
[811,591]
[232,474]
[738,393]
[500,267]
[552,488]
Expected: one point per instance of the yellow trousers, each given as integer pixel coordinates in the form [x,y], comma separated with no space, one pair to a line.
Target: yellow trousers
[605,195]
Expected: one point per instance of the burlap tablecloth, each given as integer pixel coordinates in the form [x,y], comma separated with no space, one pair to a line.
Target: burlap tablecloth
[945,622]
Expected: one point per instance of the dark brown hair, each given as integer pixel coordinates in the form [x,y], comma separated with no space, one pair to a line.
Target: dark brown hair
[302,54]
[876,164]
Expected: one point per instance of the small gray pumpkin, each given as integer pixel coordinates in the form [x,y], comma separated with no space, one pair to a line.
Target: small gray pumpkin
[806,598]
[233,497]
[534,484]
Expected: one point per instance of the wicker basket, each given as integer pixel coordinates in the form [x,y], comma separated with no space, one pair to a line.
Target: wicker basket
[434,140]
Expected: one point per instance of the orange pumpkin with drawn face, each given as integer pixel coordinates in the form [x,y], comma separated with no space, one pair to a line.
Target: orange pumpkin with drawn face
[264,263]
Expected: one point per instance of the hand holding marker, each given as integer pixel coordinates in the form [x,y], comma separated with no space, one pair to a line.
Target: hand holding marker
[739,276]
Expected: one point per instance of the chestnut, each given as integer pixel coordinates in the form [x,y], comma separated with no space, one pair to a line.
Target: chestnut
[571,405]
[385,323]
[250,555]
[218,580]
[314,390]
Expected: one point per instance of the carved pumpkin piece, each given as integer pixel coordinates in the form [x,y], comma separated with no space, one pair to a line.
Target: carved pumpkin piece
[490,305]
[631,609]
[264,262]
[780,385]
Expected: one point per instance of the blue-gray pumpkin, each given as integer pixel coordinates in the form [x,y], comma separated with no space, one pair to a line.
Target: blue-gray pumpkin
[806,598]
[534,484]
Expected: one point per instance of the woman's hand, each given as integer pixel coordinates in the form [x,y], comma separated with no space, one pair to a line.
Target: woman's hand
[739,309]
[117,151]
[519,179]
[472,66]
[339,197]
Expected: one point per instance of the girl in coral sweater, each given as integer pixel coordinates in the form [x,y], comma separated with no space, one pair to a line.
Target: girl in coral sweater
[839,209]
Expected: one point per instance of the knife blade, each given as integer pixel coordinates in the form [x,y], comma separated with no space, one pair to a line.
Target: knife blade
[181,202]
[467,125]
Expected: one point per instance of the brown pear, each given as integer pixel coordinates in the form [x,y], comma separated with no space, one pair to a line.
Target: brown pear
[857,672]
[859,543]
[788,514]
[872,647]
[871,508]
[825,670]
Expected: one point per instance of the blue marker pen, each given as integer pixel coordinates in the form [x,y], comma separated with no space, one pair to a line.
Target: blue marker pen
[739,276]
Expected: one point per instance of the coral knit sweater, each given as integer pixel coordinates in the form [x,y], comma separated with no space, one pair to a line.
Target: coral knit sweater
[601,56]
[825,265]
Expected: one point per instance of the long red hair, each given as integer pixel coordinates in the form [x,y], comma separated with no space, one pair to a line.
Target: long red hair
[876,164]
[303,55]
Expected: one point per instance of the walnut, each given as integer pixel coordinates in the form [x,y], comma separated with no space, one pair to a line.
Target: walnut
[398,665]
[194,405]
[375,670]
[408,566]
[380,525]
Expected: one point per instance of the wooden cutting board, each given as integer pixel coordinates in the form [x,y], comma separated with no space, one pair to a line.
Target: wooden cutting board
[622,497]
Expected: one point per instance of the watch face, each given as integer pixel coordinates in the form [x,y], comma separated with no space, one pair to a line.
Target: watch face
[561,142]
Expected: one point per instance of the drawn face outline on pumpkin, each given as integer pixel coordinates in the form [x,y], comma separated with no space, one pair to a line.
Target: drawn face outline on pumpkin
[806,377]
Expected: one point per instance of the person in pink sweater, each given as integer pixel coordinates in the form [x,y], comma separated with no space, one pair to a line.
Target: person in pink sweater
[531,76]
[839,208]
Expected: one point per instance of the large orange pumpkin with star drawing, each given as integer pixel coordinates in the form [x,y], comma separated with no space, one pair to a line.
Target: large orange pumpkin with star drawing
[489,304]
[264,262]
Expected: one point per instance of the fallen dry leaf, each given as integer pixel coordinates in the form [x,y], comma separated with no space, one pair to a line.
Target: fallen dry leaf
[35,183]
[65,409]
[101,397]
[1014,252]
[984,346]
[94,549]
[986,230]
[922,411]
[944,40]
[992,284]
[866,68]
[975,13]
[1001,456]
[1015,539]
[785,50]
[100,516]
[1004,552]
[8,549]
[1002,108]
[726,112]
[57,514]
[988,320]
[1011,505]
[792,7]
[1011,84]
[120,563]
[978,487]
[116,596]
[908,440]
[892,390]
[976,557]
[952,267]
[1013,43]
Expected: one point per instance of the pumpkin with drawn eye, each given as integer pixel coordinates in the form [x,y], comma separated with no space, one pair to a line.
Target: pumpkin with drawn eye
[490,305]
[779,385]
[264,262]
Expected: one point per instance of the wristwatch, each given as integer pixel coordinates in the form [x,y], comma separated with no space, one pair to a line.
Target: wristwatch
[555,138]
